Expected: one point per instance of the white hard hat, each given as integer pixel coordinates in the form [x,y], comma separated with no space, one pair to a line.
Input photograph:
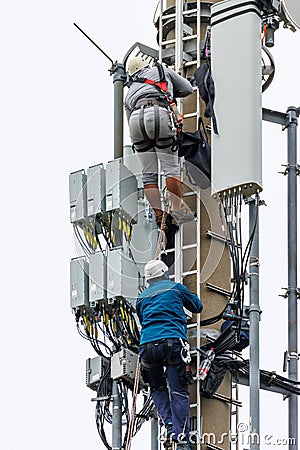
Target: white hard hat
[135,64]
[154,269]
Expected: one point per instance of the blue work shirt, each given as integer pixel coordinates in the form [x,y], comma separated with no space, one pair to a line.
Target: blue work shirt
[160,310]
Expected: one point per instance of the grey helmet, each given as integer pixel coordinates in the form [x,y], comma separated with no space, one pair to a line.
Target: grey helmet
[135,64]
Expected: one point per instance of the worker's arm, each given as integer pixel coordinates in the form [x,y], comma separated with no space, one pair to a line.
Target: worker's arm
[127,111]
[191,301]
[181,86]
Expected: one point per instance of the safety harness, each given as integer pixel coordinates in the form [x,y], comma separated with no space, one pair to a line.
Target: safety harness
[168,360]
[164,100]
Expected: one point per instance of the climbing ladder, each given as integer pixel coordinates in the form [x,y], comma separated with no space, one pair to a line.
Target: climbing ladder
[179,47]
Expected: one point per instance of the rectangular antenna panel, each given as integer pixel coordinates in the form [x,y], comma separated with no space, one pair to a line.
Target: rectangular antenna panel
[123,365]
[97,277]
[237,75]
[121,189]
[95,369]
[79,283]
[132,163]
[122,276]
[78,196]
[96,190]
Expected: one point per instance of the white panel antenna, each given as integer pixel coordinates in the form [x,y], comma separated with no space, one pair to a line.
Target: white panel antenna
[236,70]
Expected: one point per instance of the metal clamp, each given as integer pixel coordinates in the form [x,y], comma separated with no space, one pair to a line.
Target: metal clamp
[288,357]
[288,291]
[288,167]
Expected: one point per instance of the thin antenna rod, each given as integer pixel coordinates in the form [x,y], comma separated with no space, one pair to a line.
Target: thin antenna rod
[94,43]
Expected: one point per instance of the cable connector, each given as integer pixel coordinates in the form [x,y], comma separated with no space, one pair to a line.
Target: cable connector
[230,314]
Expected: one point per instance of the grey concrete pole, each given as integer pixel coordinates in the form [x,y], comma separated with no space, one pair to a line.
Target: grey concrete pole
[254,315]
[292,171]
[154,433]
[118,80]
[116,418]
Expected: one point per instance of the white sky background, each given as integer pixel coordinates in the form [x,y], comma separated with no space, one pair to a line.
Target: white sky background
[57,117]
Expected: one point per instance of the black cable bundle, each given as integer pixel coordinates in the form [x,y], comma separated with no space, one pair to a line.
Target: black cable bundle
[230,209]
[273,379]
[145,413]
[102,412]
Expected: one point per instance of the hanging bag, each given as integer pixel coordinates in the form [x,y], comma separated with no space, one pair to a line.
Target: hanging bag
[206,89]
[195,149]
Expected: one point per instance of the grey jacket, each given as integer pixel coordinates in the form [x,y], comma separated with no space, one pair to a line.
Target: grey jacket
[177,86]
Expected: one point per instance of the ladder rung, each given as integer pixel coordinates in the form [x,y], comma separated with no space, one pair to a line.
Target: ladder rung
[186,247]
[191,272]
[189,11]
[191,63]
[169,16]
[189,194]
[169,41]
[188,115]
[189,37]
[192,325]
[193,405]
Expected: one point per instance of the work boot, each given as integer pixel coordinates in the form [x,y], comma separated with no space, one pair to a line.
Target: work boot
[169,227]
[182,215]
[182,447]
[168,443]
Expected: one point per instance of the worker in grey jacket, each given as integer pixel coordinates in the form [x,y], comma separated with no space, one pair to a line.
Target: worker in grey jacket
[152,127]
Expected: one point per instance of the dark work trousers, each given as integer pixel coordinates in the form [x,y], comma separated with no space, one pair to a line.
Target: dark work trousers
[161,363]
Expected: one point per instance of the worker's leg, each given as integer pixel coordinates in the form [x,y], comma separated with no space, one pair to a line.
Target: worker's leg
[153,196]
[180,402]
[171,167]
[178,377]
[155,376]
[148,163]
[170,164]
[147,156]
[174,186]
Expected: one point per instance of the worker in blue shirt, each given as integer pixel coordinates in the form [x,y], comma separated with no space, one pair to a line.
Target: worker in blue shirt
[164,350]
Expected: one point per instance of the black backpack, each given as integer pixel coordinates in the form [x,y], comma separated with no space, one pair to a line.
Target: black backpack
[195,149]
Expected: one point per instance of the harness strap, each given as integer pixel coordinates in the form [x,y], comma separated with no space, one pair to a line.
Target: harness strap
[162,85]
[142,125]
[161,72]
[169,141]
[160,100]
[156,122]
[142,146]
[167,360]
